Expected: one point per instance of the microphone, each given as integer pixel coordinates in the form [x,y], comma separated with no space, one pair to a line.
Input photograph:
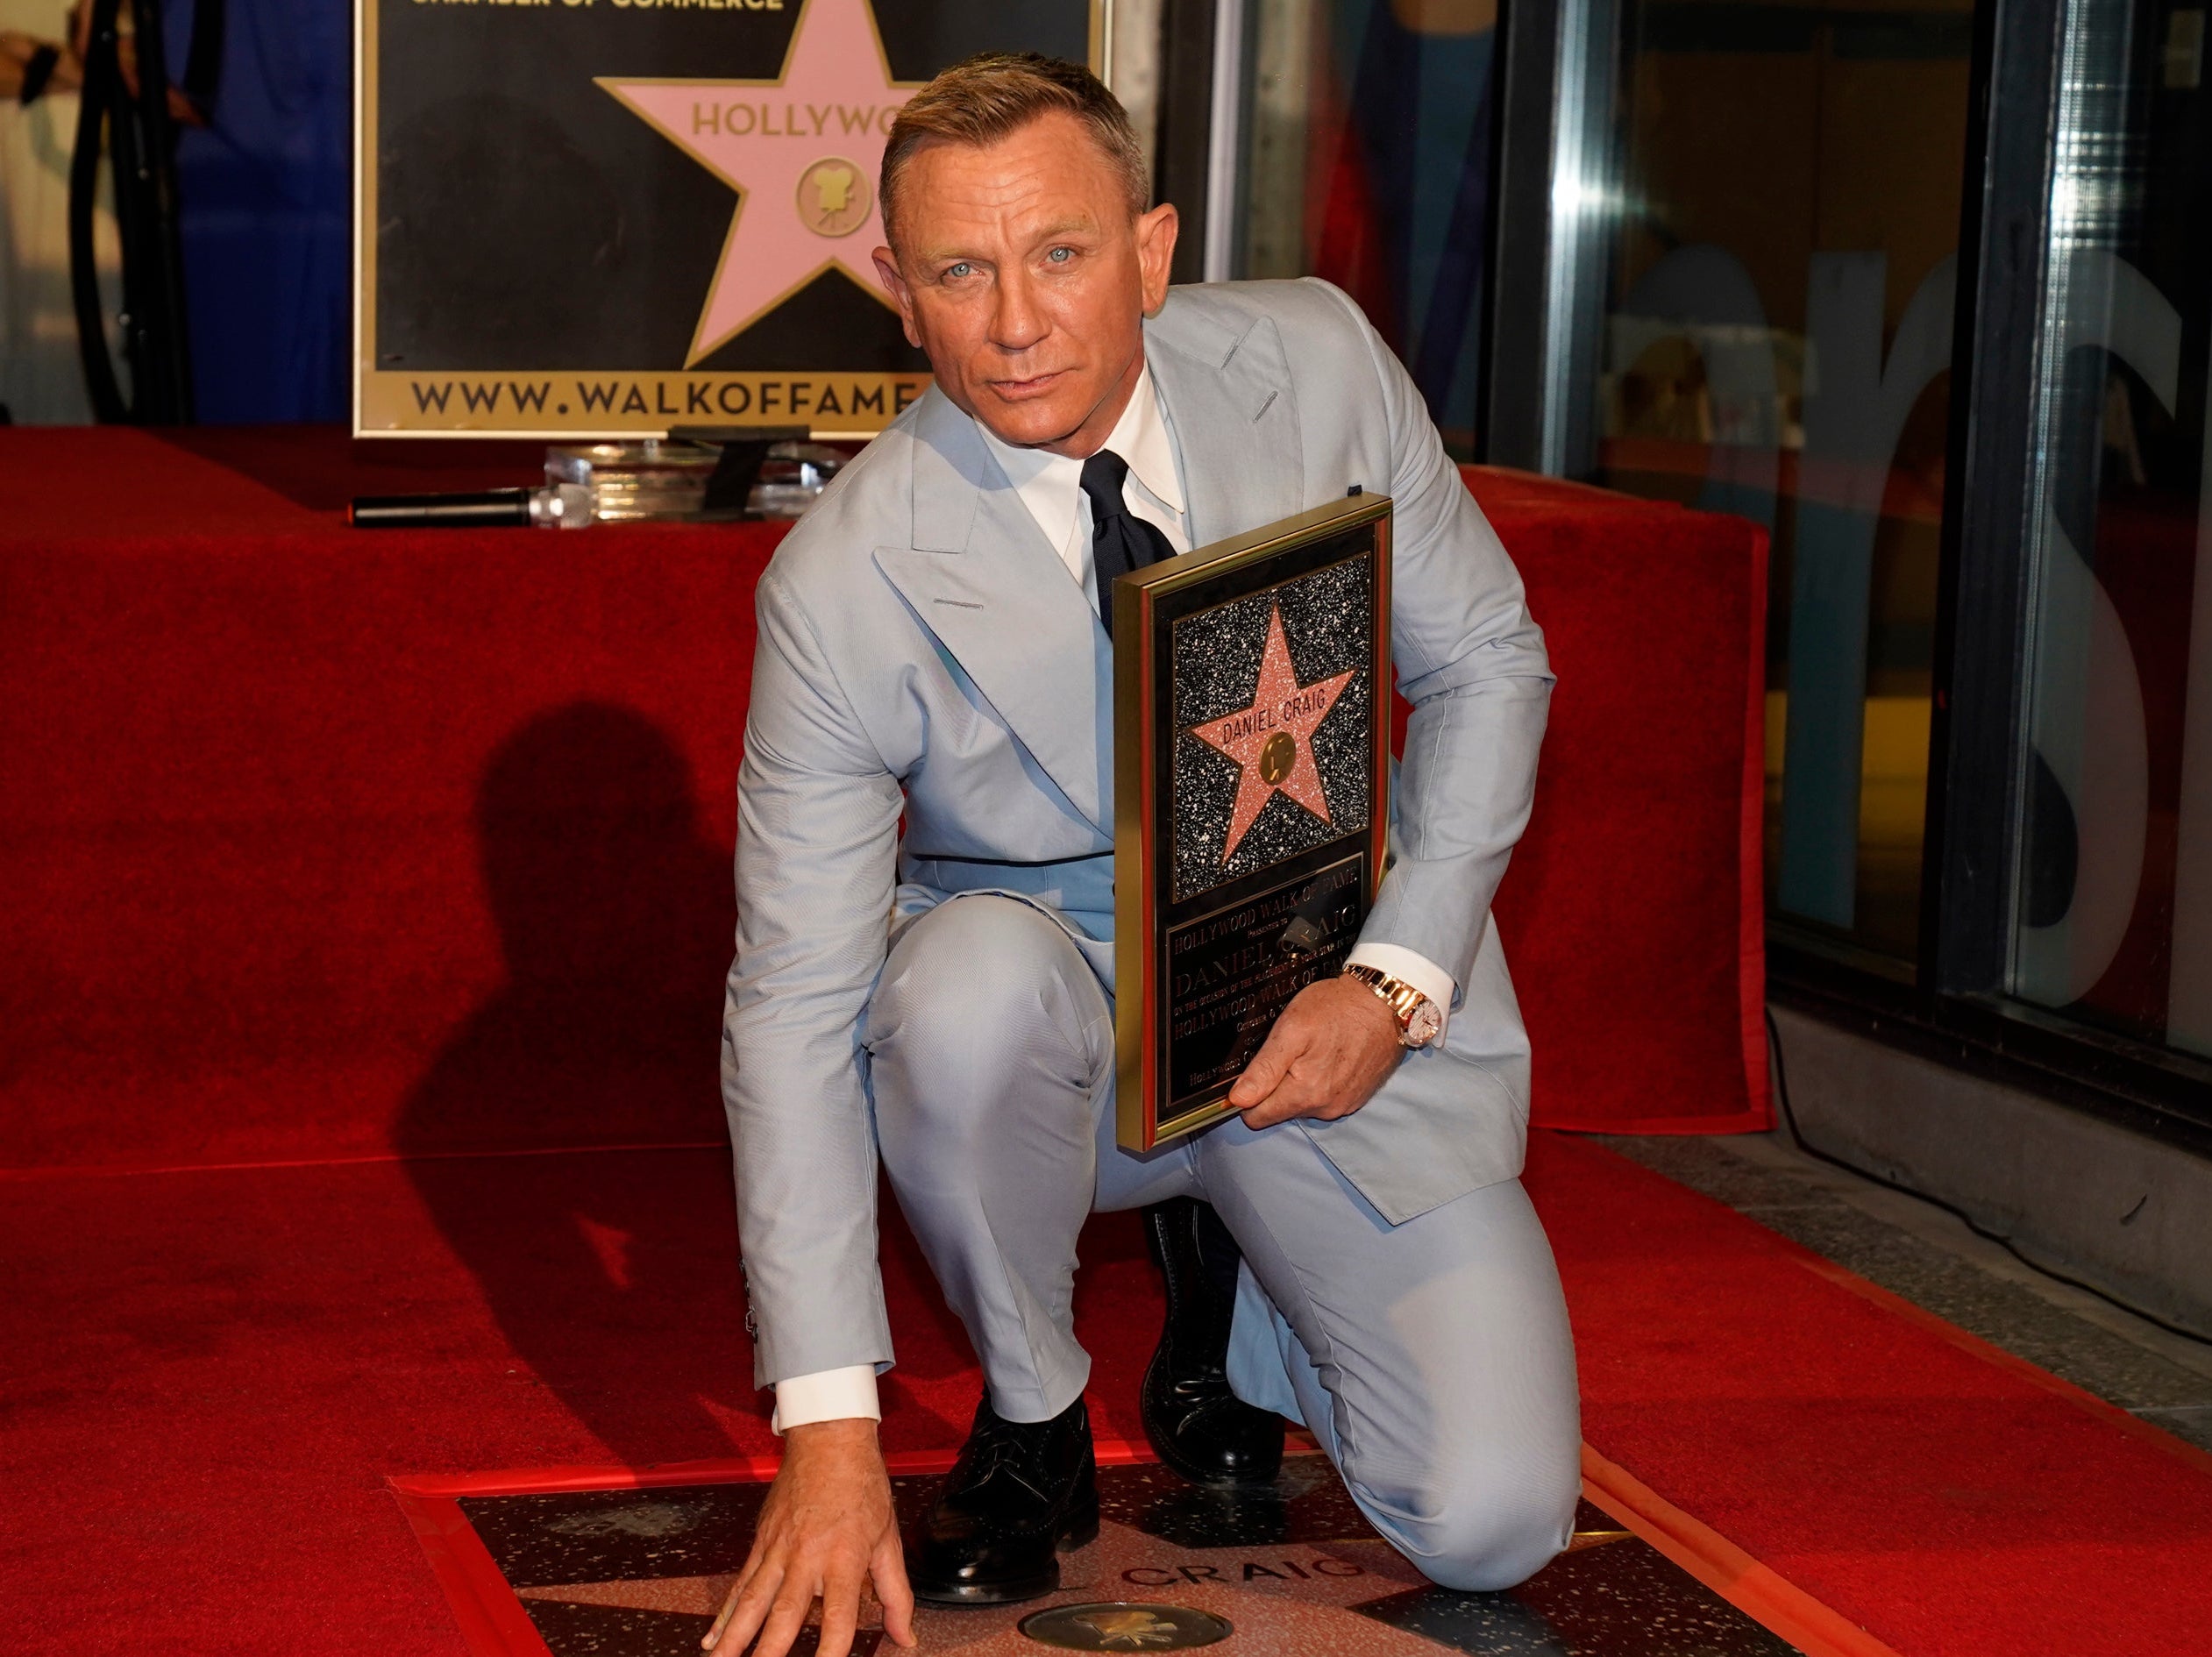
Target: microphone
[554,506]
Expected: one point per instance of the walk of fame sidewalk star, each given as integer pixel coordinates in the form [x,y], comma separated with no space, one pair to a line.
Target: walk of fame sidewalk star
[1280,707]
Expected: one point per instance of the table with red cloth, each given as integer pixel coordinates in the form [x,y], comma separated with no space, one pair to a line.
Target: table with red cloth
[307,832]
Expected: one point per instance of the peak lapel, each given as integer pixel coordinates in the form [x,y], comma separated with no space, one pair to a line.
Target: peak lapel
[981,577]
[1228,396]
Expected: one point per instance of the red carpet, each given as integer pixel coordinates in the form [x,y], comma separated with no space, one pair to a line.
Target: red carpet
[1949,1498]
[208,1376]
[288,805]
[318,846]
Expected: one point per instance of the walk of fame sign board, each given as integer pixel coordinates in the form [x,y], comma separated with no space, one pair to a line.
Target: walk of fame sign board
[607,217]
[570,1565]
[1251,757]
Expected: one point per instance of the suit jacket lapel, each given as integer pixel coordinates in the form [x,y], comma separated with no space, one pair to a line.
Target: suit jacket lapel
[1227,397]
[982,578]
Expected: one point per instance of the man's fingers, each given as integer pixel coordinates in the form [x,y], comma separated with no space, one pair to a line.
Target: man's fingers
[1292,1097]
[1329,1052]
[754,1559]
[721,1619]
[786,1617]
[1269,1066]
[893,1591]
[749,1598]
[840,1610]
[1289,1059]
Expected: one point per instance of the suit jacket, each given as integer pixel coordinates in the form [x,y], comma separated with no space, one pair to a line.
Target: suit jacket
[924,651]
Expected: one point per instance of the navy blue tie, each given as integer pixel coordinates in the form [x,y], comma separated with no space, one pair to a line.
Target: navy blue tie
[1120,541]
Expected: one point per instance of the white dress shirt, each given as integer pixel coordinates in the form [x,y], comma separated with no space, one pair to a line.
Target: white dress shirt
[1051,487]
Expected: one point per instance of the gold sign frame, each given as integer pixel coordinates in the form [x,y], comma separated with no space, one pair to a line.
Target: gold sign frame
[1147,909]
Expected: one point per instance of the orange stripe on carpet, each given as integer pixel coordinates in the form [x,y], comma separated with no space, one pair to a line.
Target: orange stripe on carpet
[1723,1566]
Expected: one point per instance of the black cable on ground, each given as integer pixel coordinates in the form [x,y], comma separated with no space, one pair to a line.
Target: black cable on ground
[1797,1138]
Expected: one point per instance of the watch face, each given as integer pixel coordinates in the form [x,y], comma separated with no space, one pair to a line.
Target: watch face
[1421,1029]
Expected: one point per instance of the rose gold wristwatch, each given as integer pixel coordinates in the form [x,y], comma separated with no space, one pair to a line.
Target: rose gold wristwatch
[1419,1021]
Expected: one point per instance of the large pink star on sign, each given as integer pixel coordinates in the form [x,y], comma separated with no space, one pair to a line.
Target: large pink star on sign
[802,151]
[1272,740]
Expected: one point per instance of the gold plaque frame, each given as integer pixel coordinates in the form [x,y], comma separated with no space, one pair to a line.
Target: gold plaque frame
[1148,603]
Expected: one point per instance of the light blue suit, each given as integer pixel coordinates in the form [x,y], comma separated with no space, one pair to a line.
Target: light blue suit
[923,653]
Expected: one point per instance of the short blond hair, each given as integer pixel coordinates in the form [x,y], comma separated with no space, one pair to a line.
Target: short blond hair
[996,94]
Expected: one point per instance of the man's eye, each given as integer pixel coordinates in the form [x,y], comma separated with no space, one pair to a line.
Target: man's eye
[1061,255]
[955,273]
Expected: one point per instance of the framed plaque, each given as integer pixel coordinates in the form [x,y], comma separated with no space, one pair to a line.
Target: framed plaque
[1251,760]
[603,218]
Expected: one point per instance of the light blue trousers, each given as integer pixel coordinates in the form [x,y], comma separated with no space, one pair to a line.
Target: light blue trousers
[1432,1360]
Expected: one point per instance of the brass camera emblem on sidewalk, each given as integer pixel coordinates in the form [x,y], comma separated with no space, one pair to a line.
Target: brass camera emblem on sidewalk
[1119,1626]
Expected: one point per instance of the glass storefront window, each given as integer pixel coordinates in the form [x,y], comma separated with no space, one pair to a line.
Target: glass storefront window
[1779,209]
[1366,160]
[1728,274]
[2112,917]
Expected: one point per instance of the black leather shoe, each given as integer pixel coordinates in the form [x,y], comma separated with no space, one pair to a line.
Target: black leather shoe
[1020,1493]
[1197,1425]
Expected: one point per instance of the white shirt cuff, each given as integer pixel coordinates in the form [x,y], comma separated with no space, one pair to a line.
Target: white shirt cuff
[1408,966]
[827,1394]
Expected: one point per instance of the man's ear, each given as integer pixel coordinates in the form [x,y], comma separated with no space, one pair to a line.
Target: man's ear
[895,285]
[1155,252]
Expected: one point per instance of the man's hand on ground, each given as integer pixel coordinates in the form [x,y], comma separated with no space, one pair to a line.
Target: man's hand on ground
[1329,1050]
[826,1527]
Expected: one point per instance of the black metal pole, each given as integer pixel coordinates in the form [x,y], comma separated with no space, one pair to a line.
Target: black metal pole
[140,141]
[164,331]
[103,70]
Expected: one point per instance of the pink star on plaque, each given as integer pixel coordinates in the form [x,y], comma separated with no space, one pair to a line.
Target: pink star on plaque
[1272,740]
[802,151]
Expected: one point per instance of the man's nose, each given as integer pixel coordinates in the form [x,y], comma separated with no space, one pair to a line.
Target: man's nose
[1018,323]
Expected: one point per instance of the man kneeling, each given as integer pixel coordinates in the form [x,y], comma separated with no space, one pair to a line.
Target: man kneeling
[1355,1251]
